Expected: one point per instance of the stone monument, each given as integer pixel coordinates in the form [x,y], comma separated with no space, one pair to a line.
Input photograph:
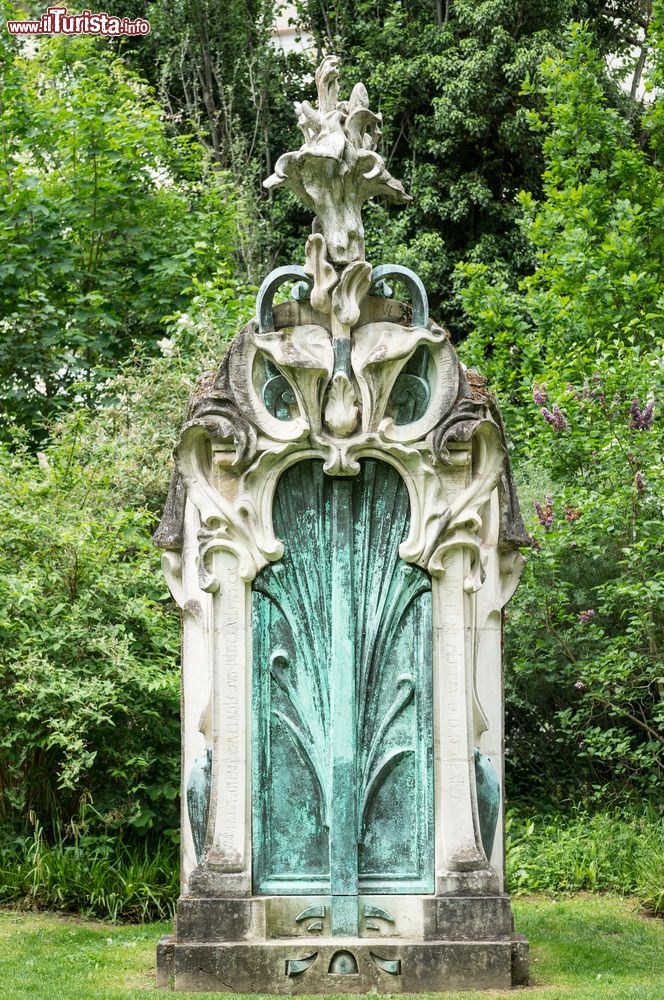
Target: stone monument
[342,533]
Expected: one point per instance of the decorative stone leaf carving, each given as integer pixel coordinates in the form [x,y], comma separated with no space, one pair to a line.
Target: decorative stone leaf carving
[352,288]
[304,354]
[340,410]
[328,429]
[244,371]
[215,405]
[379,353]
[465,520]
[323,274]
[337,169]
[327,84]
[171,567]
[362,125]
[444,378]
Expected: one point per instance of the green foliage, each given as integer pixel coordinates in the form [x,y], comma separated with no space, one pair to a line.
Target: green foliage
[104,220]
[456,125]
[108,225]
[89,637]
[216,71]
[448,77]
[89,645]
[103,876]
[213,64]
[574,356]
[96,876]
[605,852]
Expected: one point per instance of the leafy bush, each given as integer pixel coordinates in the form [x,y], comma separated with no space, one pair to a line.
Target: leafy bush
[605,852]
[89,645]
[89,637]
[97,877]
[574,354]
[105,220]
[103,876]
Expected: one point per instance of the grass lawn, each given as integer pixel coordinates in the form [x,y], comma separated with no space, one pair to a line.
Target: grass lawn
[582,948]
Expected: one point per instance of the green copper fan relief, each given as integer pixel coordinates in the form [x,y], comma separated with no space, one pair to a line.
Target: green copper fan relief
[342,665]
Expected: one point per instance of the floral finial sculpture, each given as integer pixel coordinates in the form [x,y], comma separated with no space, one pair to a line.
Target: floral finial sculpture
[337,168]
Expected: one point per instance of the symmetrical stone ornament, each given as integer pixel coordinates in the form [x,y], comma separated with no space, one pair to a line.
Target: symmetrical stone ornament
[342,534]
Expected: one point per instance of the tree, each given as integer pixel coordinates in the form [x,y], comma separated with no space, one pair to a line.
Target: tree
[215,70]
[456,124]
[574,354]
[89,636]
[103,222]
[456,128]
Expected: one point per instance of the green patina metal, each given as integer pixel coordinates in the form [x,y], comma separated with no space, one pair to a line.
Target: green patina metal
[411,393]
[343,770]
[488,799]
[198,800]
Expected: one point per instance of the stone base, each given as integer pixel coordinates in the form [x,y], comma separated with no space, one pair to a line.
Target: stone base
[261,945]
[328,966]
[165,957]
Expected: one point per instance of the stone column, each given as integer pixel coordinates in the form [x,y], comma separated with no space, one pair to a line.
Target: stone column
[460,859]
[225,867]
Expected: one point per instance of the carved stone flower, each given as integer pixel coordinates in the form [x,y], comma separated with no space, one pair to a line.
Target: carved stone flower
[340,411]
[337,169]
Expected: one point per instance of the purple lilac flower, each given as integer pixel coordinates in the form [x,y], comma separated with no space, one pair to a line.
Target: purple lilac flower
[540,395]
[555,418]
[641,419]
[545,514]
[580,686]
[585,616]
[640,482]
[635,414]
